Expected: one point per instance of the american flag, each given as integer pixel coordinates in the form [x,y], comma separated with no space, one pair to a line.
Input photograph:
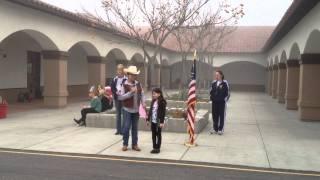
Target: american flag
[192,101]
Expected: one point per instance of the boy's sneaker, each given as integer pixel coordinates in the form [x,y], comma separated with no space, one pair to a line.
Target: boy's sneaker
[125,148]
[220,133]
[136,148]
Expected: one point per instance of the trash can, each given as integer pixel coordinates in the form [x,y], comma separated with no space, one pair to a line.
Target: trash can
[3,110]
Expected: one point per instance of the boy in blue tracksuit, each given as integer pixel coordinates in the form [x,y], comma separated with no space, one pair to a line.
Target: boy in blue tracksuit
[219,94]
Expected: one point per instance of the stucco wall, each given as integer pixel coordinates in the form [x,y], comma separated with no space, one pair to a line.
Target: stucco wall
[299,35]
[244,73]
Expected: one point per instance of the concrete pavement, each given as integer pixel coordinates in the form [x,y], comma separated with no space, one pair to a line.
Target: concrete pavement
[259,132]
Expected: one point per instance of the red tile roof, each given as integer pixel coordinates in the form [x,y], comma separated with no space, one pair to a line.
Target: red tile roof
[245,39]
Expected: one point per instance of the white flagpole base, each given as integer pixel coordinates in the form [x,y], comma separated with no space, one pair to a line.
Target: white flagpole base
[188,144]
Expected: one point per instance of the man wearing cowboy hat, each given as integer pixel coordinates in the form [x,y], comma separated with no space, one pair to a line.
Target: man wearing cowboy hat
[131,99]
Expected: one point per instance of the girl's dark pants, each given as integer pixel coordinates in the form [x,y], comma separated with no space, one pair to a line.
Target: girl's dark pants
[84,113]
[218,112]
[156,135]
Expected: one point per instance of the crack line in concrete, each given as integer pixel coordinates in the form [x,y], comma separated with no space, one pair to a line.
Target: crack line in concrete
[185,152]
[52,138]
[108,146]
[258,125]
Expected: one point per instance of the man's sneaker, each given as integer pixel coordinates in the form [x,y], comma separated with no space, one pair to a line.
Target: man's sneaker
[220,133]
[213,132]
[136,148]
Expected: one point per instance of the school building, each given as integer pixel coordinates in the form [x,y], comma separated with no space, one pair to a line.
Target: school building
[56,55]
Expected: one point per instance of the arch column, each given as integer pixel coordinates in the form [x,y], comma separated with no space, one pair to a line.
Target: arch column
[146,85]
[96,71]
[309,96]
[274,81]
[269,70]
[156,76]
[142,75]
[282,73]
[55,78]
[292,85]
[123,62]
[165,77]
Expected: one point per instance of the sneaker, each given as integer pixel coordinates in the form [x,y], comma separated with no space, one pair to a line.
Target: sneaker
[136,148]
[82,123]
[213,132]
[220,133]
[76,121]
[154,151]
[125,148]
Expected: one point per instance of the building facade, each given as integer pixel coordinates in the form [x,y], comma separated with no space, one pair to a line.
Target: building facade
[55,54]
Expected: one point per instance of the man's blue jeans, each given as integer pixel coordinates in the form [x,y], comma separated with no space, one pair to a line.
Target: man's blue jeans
[119,113]
[130,120]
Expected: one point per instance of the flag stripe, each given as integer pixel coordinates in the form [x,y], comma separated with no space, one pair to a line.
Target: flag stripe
[192,99]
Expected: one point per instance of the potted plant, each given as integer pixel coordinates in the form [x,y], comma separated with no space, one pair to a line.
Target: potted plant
[3,108]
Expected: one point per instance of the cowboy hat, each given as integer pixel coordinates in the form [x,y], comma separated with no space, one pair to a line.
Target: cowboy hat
[132,70]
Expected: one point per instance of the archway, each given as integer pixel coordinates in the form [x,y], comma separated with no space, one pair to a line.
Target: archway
[275,68]
[245,76]
[154,73]
[23,69]
[282,77]
[138,60]
[309,97]
[79,66]
[114,57]
[165,74]
[293,80]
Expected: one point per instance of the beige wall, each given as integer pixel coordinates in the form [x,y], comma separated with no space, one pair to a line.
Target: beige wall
[242,74]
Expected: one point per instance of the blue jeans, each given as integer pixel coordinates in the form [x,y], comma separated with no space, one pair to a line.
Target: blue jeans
[130,121]
[119,113]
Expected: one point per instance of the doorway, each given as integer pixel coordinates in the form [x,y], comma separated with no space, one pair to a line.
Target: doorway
[34,74]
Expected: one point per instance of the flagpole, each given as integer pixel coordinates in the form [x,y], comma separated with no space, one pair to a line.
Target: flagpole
[191,104]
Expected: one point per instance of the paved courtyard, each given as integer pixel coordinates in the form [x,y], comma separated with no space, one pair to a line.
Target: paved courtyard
[259,132]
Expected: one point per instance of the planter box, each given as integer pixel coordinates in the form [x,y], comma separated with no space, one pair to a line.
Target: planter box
[3,111]
[178,125]
[182,104]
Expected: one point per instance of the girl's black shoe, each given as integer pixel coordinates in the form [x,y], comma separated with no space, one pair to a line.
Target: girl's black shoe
[154,151]
[82,123]
[76,121]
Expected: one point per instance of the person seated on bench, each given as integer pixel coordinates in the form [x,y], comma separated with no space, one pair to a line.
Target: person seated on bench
[95,106]
[106,98]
